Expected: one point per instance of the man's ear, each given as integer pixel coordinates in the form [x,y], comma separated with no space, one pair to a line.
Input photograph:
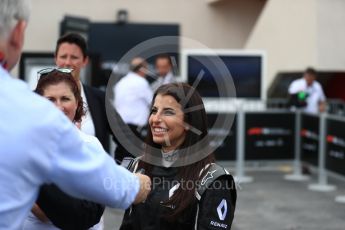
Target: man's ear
[17,36]
[85,61]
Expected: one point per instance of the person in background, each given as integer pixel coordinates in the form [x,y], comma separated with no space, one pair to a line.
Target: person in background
[71,52]
[132,101]
[178,160]
[55,209]
[307,93]
[39,145]
[163,65]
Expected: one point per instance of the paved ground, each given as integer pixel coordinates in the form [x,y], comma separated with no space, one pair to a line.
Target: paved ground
[272,203]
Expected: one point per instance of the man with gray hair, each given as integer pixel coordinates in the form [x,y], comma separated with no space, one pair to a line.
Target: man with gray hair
[38,144]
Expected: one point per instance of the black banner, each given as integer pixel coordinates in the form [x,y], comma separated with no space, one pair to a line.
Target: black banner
[227,147]
[335,146]
[310,139]
[269,136]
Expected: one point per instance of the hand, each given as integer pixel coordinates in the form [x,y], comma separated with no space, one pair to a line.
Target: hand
[322,107]
[37,211]
[145,188]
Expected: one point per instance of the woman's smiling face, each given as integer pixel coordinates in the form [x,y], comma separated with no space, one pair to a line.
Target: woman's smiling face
[63,98]
[167,123]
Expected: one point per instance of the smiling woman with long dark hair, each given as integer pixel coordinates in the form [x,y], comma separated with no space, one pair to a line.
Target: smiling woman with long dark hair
[190,191]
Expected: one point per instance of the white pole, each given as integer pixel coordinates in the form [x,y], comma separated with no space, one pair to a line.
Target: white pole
[322,185]
[240,173]
[297,172]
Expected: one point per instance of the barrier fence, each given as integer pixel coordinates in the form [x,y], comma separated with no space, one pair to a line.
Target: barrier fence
[317,140]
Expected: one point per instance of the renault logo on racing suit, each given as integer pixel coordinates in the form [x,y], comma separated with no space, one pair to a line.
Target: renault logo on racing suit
[222,209]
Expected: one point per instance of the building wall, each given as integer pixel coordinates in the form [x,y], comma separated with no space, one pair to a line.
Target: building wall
[301,33]
[331,35]
[224,24]
[287,30]
[294,33]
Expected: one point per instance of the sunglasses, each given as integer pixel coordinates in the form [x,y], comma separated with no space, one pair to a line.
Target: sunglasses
[45,71]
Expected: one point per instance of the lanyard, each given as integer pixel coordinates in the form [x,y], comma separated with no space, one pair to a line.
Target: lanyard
[3,62]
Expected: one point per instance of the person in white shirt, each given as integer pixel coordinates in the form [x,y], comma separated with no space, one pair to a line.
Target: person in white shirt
[40,145]
[132,100]
[163,65]
[308,93]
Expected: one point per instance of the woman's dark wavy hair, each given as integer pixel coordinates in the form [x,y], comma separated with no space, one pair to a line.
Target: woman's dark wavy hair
[55,77]
[195,116]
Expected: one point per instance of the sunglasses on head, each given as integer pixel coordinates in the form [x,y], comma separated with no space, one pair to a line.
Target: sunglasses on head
[45,71]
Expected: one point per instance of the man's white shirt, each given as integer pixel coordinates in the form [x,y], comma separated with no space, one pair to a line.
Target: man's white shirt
[133,97]
[169,78]
[315,94]
[38,144]
[87,125]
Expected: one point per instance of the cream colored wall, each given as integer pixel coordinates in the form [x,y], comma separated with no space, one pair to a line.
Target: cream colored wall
[294,33]
[225,24]
[331,35]
[287,30]
[301,33]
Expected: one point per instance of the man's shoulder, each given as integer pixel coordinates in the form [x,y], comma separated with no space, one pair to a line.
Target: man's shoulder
[133,81]
[170,78]
[90,139]
[27,113]
[19,97]
[297,85]
[93,91]
[43,113]
[317,85]
[298,81]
